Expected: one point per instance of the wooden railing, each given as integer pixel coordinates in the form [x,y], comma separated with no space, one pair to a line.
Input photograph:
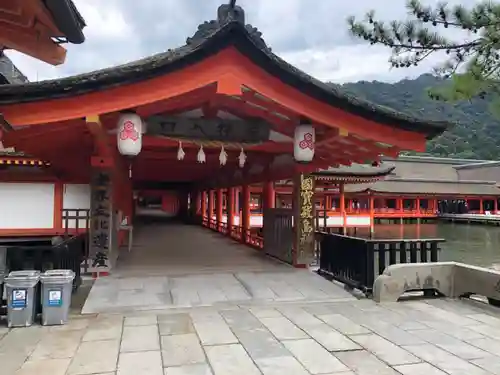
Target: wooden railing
[358,261]
[250,237]
[75,221]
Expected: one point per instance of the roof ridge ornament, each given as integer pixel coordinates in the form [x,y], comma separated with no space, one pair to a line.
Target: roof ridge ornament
[227,13]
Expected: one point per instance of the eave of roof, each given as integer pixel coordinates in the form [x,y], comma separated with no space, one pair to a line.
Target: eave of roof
[434,160]
[479,164]
[67,19]
[357,170]
[247,41]
[429,187]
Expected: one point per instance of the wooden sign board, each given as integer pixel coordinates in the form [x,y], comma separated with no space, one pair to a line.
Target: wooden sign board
[254,131]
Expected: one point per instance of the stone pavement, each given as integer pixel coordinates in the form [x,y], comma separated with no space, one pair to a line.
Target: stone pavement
[117,294]
[434,337]
[174,265]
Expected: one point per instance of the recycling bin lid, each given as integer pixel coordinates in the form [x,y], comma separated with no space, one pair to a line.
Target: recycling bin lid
[52,273]
[24,274]
[57,276]
[21,277]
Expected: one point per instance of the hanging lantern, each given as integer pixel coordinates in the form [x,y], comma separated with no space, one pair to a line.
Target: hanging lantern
[180,153]
[201,155]
[222,156]
[242,158]
[304,139]
[129,134]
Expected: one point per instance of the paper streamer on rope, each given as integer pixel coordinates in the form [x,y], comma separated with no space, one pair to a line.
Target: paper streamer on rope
[222,156]
[242,158]
[201,155]
[180,153]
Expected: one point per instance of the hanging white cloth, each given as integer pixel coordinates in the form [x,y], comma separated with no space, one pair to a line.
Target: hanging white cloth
[223,156]
[180,153]
[201,155]
[242,158]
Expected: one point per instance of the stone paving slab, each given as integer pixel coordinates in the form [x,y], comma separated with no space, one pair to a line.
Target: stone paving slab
[117,294]
[348,337]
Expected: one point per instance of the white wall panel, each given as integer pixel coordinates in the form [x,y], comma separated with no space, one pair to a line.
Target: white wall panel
[26,205]
[75,197]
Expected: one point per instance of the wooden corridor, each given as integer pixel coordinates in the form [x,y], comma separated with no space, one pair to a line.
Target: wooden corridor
[173,266]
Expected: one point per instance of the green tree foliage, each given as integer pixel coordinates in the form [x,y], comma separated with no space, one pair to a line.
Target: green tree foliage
[474,52]
[476,134]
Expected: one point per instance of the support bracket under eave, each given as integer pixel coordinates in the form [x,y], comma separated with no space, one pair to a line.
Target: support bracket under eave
[101,140]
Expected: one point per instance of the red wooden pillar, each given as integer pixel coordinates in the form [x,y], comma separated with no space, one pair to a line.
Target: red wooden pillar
[210,207]
[245,219]
[372,214]
[203,204]
[236,204]
[481,206]
[198,202]
[495,204]
[399,204]
[219,209]
[417,204]
[269,195]
[230,211]
[342,208]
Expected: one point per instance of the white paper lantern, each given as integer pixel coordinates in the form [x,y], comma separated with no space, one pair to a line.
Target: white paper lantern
[304,140]
[129,134]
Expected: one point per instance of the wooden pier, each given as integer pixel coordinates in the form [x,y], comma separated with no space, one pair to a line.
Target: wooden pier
[471,218]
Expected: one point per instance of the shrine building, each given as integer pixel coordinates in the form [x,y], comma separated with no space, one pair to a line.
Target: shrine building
[202,126]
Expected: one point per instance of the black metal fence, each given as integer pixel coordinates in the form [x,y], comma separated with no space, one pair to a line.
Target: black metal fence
[356,262]
[67,254]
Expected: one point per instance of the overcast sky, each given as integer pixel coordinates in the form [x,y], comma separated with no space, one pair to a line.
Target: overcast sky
[311,34]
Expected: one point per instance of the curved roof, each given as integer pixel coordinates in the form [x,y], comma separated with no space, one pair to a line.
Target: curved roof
[357,170]
[430,187]
[211,38]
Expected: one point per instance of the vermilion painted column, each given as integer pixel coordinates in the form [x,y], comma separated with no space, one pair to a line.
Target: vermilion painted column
[399,203]
[417,205]
[219,209]
[230,210]
[495,205]
[210,206]
[481,206]
[372,214]
[203,205]
[342,207]
[198,202]
[269,195]
[245,220]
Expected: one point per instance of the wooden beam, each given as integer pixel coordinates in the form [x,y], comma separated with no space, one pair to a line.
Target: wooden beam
[270,105]
[182,103]
[100,136]
[40,47]
[37,8]
[241,109]
[22,19]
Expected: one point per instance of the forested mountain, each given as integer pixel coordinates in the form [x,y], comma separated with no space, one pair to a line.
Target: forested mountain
[476,135]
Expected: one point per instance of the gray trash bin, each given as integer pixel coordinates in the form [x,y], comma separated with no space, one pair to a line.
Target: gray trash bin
[21,289]
[57,286]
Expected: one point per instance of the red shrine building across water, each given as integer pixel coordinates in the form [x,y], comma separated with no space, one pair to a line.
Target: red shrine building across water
[206,127]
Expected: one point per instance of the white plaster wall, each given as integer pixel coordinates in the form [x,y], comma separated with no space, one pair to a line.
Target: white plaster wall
[76,196]
[26,205]
[358,221]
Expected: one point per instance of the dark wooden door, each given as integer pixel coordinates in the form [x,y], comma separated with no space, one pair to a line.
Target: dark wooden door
[278,233]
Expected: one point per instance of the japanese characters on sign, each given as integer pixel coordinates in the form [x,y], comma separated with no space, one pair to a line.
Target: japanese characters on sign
[209,129]
[101,207]
[305,227]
